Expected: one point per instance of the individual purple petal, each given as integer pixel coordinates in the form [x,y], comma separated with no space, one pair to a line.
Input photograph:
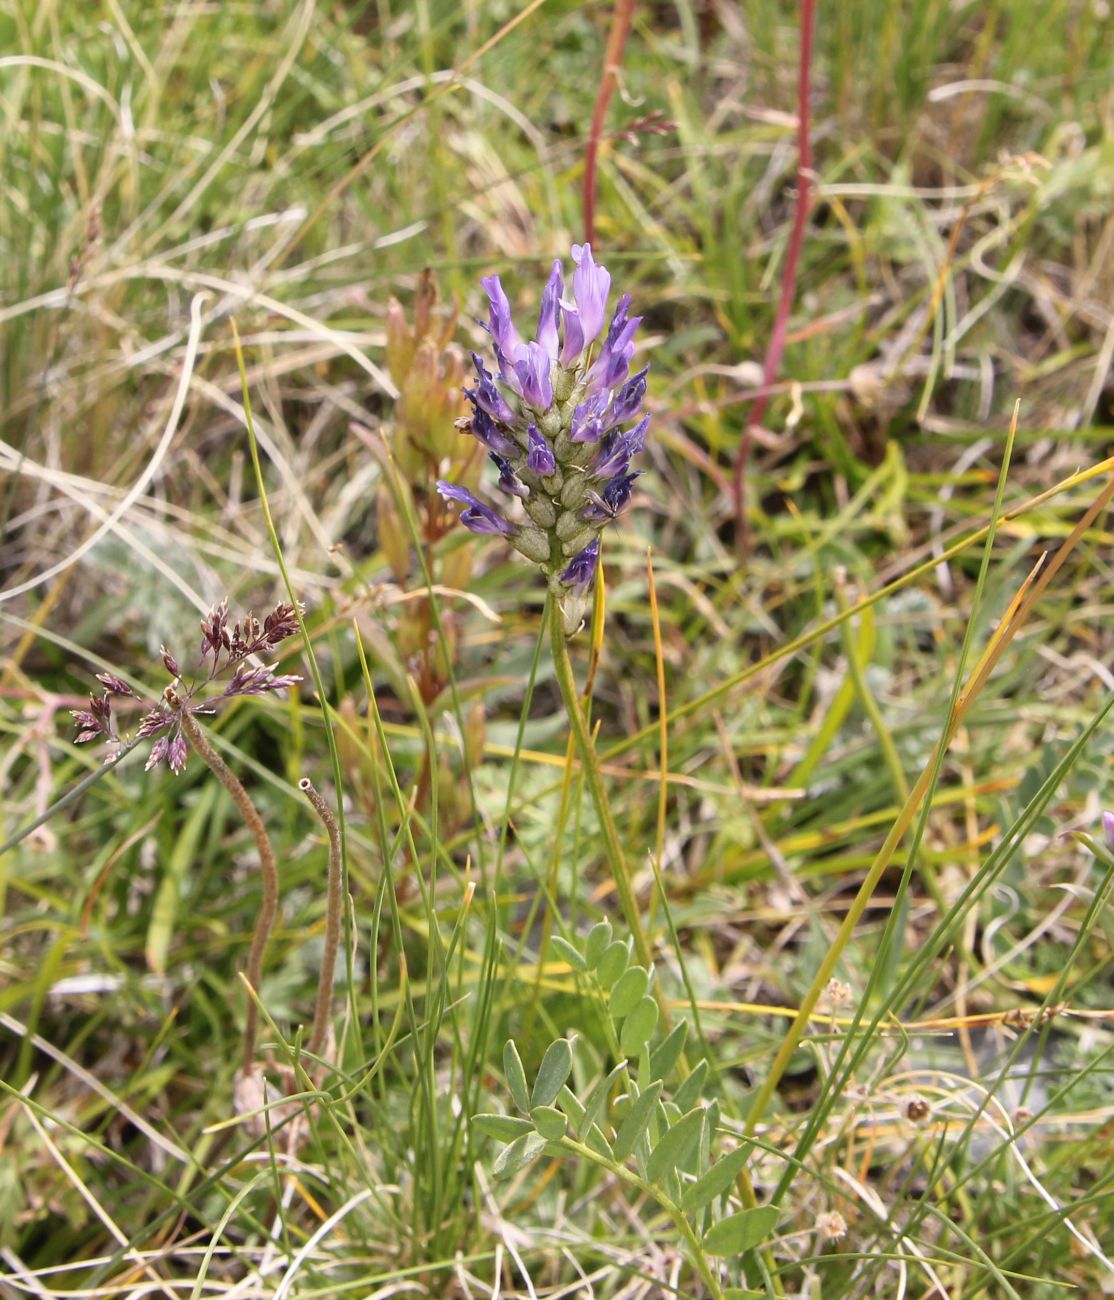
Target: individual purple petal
[485,430]
[549,314]
[502,327]
[573,345]
[540,457]
[477,518]
[486,394]
[533,376]
[590,285]
[581,570]
[508,479]
[628,400]
[605,505]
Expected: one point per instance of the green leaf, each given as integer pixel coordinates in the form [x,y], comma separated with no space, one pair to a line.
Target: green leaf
[568,952]
[637,1121]
[628,991]
[519,1154]
[596,1140]
[639,1026]
[741,1232]
[612,963]
[668,1052]
[503,1128]
[571,1105]
[676,1146]
[599,936]
[598,1098]
[690,1092]
[554,1070]
[716,1181]
[739,1293]
[516,1076]
[549,1121]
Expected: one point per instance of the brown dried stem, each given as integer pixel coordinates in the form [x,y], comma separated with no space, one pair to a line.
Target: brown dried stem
[268,909]
[332,918]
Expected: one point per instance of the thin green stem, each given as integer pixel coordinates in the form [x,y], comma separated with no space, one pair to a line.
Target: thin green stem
[333,915]
[593,774]
[268,908]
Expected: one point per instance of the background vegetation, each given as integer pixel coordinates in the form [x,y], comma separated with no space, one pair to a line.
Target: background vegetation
[945,1127]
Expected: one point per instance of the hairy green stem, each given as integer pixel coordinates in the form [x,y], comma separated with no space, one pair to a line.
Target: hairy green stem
[333,911]
[593,774]
[268,908]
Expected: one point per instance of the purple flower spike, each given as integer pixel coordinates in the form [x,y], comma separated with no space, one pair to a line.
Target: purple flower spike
[590,285]
[540,458]
[582,567]
[502,327]
[550,314]
[1108,829]
[533,376]
[477,518]
[508,479]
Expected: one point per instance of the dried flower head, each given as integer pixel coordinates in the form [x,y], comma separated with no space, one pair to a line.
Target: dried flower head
[562,422]
[225,650]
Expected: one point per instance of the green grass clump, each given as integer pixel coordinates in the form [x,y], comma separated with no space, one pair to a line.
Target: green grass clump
[842,827]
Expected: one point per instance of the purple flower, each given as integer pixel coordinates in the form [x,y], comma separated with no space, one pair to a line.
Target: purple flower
[628,400]
[549,315]
[485,430]
[477,517]
[613,363]
[486,395]
[582,567]
[587,422]
[532,369]
[508,479]
[604,506]
[1108,829]
[618,450]
[540,458]
[502,327]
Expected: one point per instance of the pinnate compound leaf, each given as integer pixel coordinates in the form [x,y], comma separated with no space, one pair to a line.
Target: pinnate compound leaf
[503,1128]
[741,1232]
[521,1152]
[637,1120]
[639,1026]
[567,952]
[676,1146]
[716,1181]
[516,1076]
[628,991]
[555,1068]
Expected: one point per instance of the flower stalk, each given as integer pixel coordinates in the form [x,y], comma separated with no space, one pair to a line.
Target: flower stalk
[268,909]
[593,773]
[333,909]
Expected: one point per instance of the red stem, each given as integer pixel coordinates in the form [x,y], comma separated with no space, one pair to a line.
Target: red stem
[789,272]
[612,61]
